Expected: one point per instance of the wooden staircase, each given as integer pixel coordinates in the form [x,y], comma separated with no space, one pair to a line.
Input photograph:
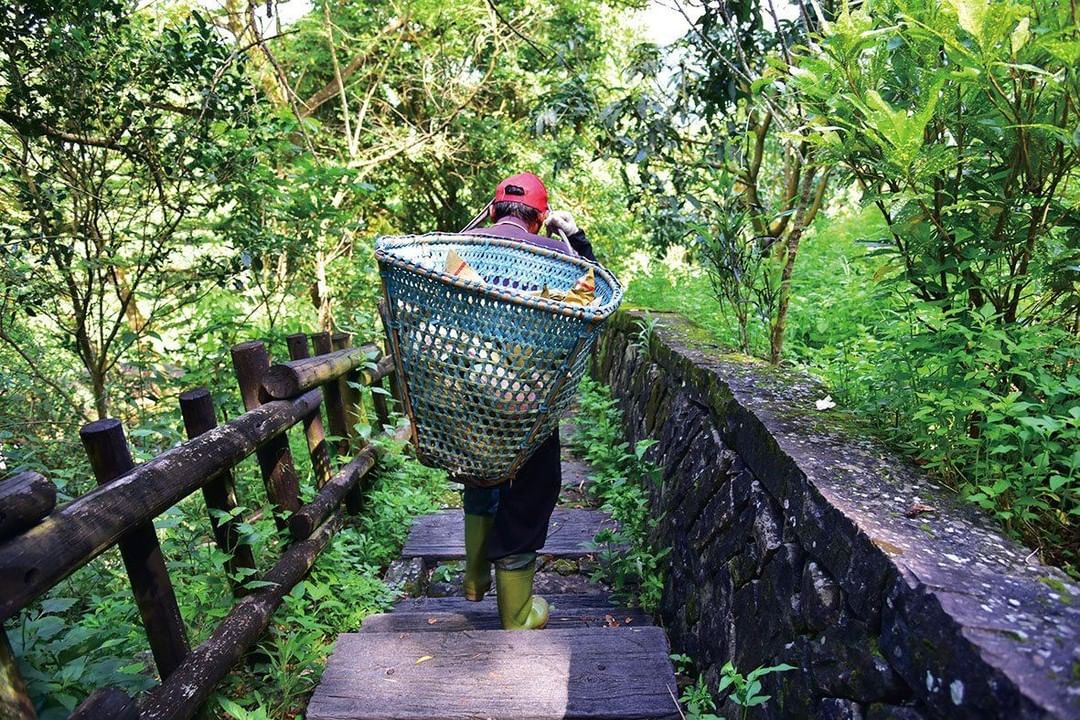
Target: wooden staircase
[443,658]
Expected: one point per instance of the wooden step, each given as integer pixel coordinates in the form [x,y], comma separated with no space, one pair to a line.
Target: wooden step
[441,535]
[457,614]
[622,673]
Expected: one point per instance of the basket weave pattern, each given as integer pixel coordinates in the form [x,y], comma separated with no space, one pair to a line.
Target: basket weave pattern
[487,369]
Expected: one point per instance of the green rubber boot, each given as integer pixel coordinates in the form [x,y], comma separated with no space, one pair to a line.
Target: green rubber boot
[477,579]
[519,609]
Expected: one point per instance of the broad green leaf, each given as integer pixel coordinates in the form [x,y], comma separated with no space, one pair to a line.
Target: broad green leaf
[1020,35]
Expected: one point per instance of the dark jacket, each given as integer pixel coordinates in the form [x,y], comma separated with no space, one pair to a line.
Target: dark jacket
[512,229]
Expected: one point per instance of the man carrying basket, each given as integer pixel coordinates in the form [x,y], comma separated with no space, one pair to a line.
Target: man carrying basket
[507,524]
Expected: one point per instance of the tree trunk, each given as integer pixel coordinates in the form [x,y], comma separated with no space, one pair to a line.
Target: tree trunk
[320,294]
[809,203]
[779,324]
[101,399]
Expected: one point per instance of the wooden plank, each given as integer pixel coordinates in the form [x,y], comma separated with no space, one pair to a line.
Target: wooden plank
[24,500]
[76,533]
[110,459]
[575,473]
[572,673]
[458,614]
[441,535]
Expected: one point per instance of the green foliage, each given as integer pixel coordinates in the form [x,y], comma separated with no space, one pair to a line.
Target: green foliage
[743,691]
[956,119]
[111,148]
[86,633]
[620,482]
[698,701]
[959,119]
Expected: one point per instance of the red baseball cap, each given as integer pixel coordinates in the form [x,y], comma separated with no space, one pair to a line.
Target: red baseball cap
[524,188]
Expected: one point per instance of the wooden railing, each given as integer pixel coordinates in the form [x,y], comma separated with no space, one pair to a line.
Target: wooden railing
[41,544]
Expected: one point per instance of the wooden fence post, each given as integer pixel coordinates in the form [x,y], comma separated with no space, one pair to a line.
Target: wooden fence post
[251,361]
[110,459]
[378,399]
[338,416]
[313,425]
[197,409]
[335,409]
[350,396]
[14,702]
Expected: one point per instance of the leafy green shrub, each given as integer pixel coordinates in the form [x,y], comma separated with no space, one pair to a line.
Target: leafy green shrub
[993,411]
[743,690]
[957,119]
[619,481]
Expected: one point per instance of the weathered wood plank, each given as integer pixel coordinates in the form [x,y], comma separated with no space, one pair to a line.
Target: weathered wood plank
[76,533]
[572,673]
[580,601]
[24,500]
[441,535]
[457,614]
[575,473]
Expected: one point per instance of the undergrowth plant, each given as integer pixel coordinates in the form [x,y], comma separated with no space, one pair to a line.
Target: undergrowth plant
[86,634]
[745,691]
[620,479]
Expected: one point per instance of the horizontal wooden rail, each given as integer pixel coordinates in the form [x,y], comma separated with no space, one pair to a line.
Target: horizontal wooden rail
[286,380]
[111,703]
[190,686]
[307,518]
[70,537]
[24,500]
[384,367]
[310,516]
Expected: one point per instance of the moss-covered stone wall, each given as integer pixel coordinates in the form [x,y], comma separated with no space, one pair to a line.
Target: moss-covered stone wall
[795,538]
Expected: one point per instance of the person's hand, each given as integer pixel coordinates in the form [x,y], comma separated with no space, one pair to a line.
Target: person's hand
[561,220]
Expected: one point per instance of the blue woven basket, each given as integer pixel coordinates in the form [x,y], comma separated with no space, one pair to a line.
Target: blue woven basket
[486,369]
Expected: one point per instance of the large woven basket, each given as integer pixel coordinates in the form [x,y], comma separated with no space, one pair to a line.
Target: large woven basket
[486,369]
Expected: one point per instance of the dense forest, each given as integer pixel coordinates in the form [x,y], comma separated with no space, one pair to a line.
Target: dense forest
[885,193]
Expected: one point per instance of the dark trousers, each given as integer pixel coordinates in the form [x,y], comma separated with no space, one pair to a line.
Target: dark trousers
[522,507]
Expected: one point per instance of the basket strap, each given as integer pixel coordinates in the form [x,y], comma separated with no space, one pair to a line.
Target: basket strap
[478,219]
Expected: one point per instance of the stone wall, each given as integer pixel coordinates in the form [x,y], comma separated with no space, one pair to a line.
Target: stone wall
[797,539]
